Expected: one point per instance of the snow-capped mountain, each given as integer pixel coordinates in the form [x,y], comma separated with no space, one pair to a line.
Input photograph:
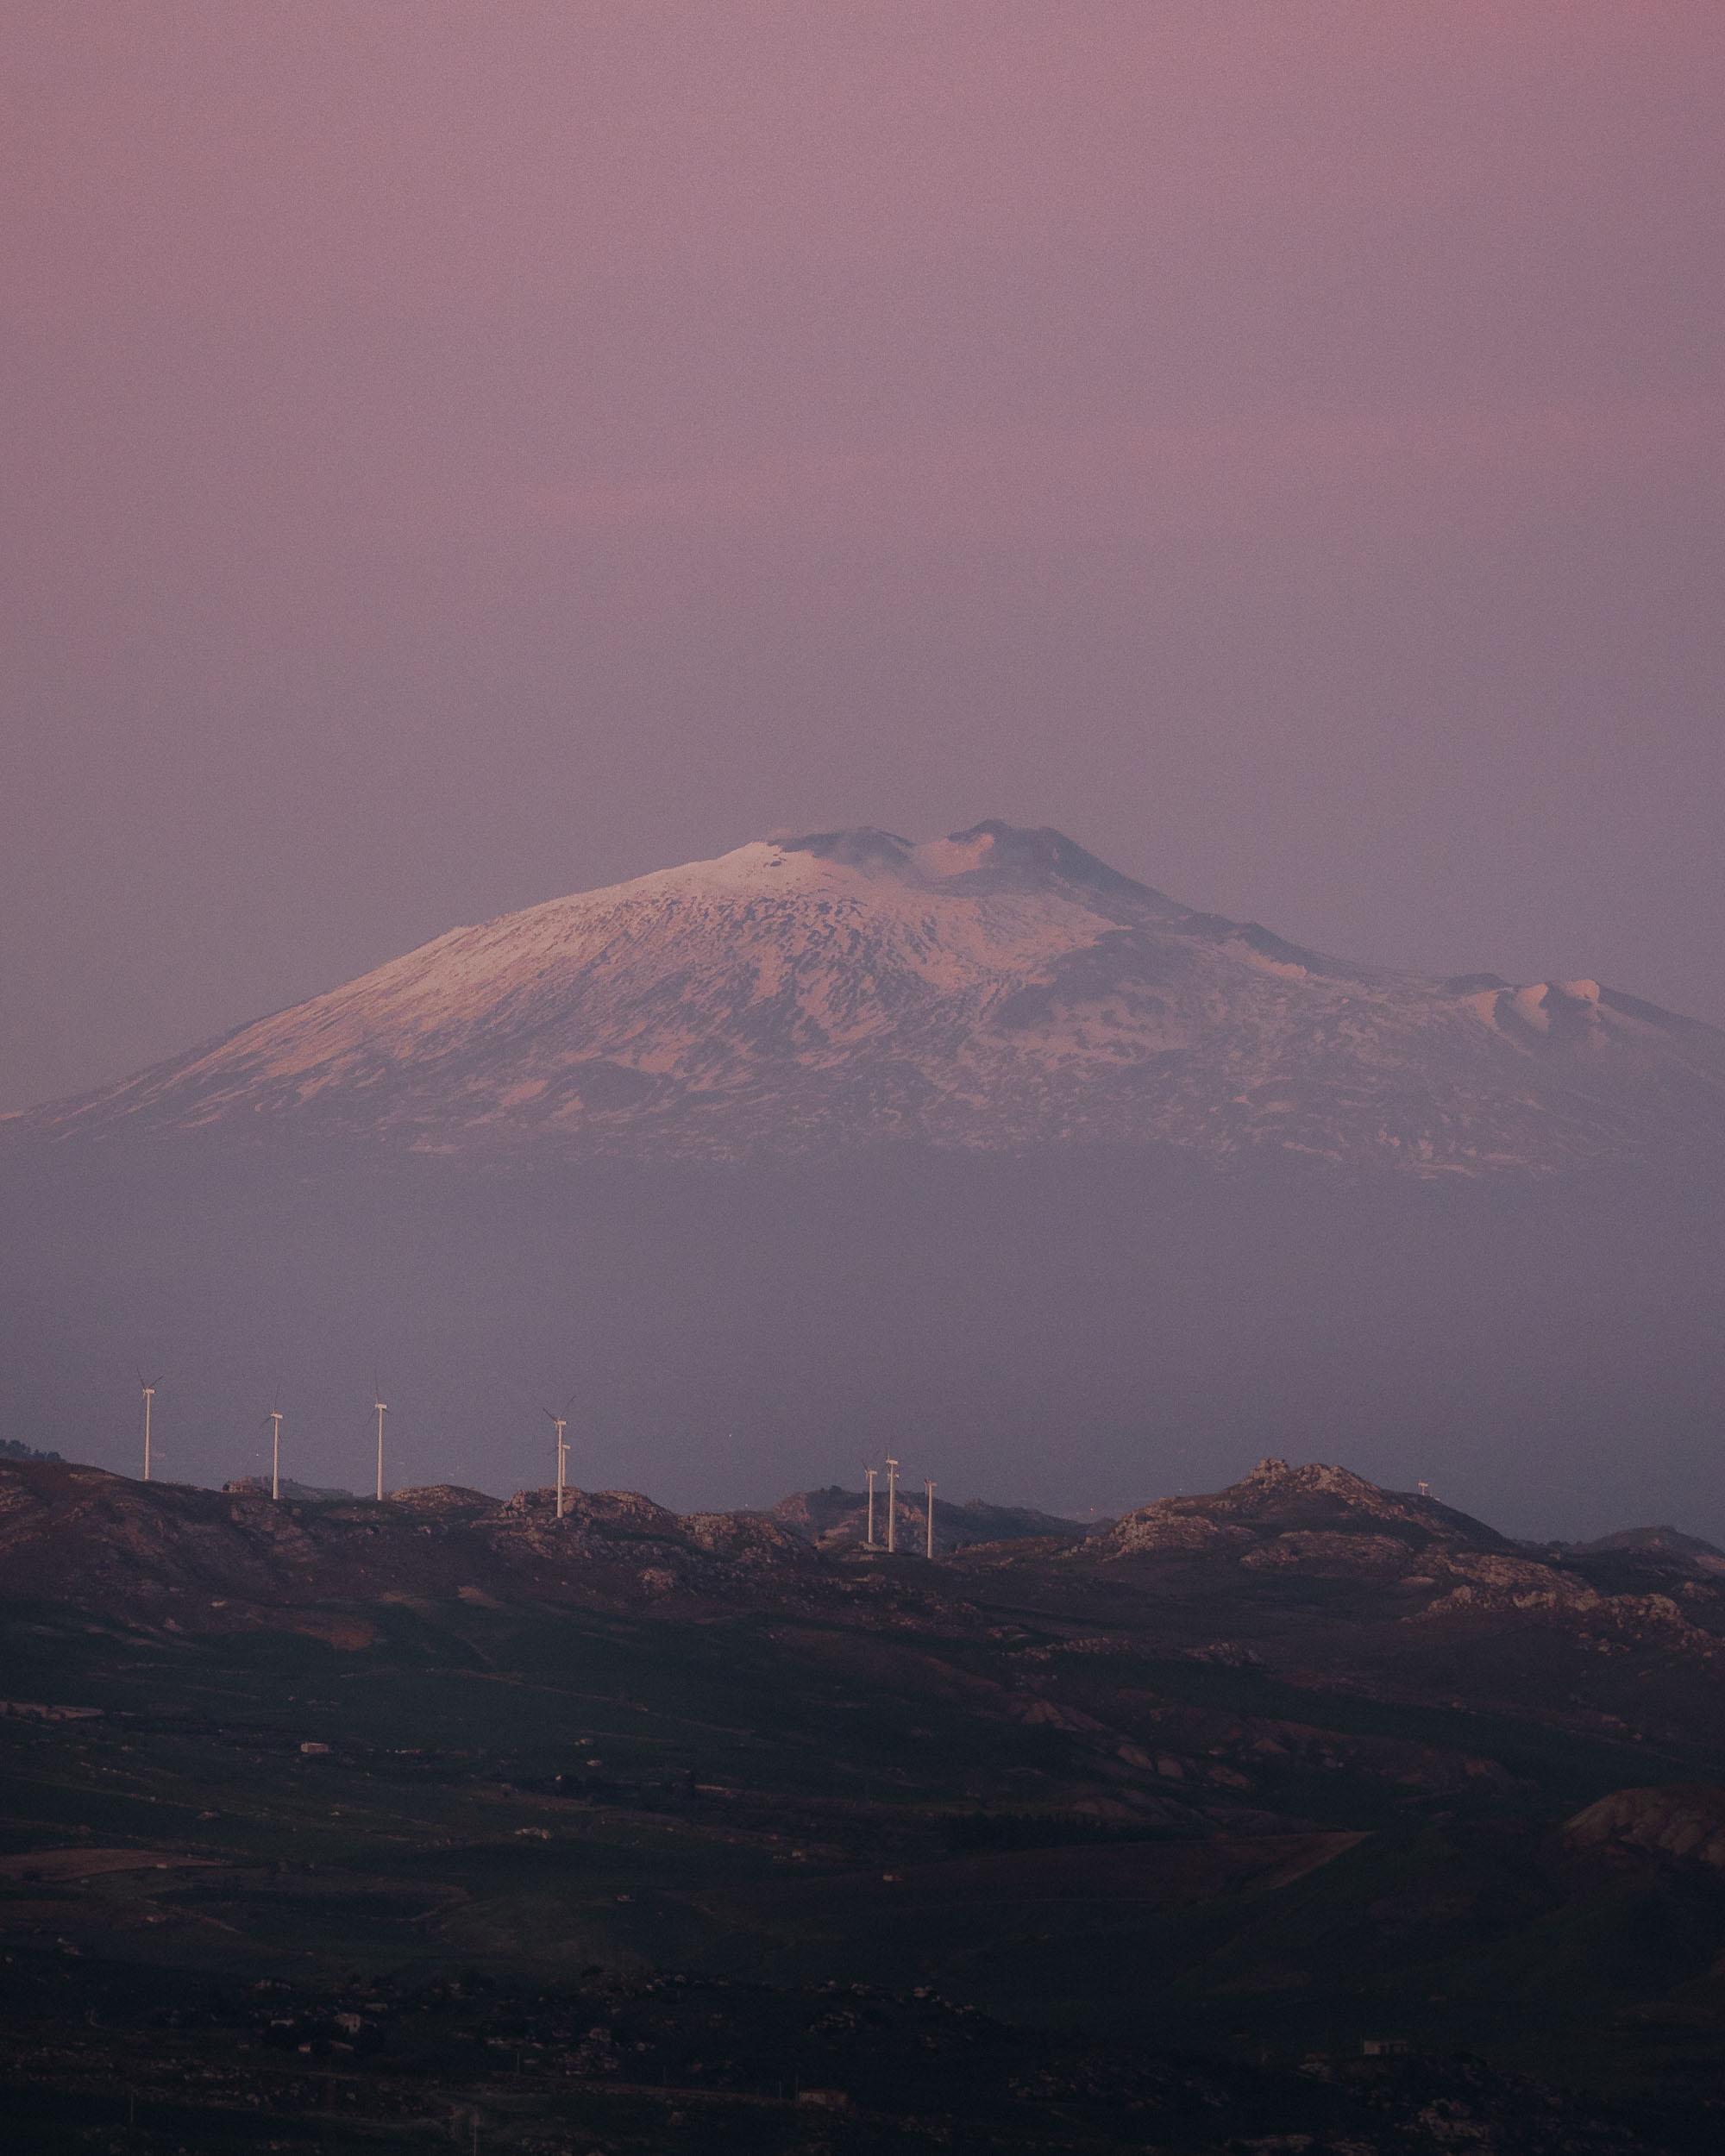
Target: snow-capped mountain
[997,989]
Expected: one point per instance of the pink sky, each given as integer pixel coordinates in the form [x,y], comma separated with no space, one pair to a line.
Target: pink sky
[458,454]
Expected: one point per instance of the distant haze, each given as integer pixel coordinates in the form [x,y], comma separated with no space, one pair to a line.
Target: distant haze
[458,456]
[1066,1329]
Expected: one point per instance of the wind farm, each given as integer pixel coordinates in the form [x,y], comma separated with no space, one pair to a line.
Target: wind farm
[891,1468]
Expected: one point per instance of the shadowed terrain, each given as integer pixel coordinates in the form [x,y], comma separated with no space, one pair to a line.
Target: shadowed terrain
[620,1831]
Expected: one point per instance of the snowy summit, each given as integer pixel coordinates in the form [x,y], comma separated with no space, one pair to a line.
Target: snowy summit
[998,988]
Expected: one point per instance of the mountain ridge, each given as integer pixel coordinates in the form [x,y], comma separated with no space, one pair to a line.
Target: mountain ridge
[139,1546]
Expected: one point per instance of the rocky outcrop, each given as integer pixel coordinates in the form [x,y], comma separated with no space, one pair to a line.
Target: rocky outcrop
[1663,1546]
[1307,1576]
[301,1492]
[1282,1514]
[1317,1550]
[162,1553]
[1171,1524]
[1684,1820]
[445,1499]
[1494,1586]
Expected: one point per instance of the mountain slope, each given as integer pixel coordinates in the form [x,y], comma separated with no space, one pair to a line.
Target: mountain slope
[998,989]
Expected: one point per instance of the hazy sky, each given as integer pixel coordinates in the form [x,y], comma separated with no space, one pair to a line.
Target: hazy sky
[456,455]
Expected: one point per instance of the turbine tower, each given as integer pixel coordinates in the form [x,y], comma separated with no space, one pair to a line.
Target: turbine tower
[892,1503]
[929,1487]
[871,1472]
[561,1423]
[381,1406]
[149,1394]
[273,1419]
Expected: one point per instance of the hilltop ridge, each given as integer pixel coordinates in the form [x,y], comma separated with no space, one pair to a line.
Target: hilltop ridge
[1385,1580]
[1315,1500]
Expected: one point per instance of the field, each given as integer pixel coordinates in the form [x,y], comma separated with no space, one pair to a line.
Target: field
[568,1879]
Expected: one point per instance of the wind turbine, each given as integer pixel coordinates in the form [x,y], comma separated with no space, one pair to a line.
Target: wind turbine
[273,1419]
[871,1472]
[929,1487]
[148,1391]
[561,1423]
[892,1503]
[381,1406]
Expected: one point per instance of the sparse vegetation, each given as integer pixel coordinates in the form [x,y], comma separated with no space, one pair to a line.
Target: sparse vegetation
[1052,1845]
